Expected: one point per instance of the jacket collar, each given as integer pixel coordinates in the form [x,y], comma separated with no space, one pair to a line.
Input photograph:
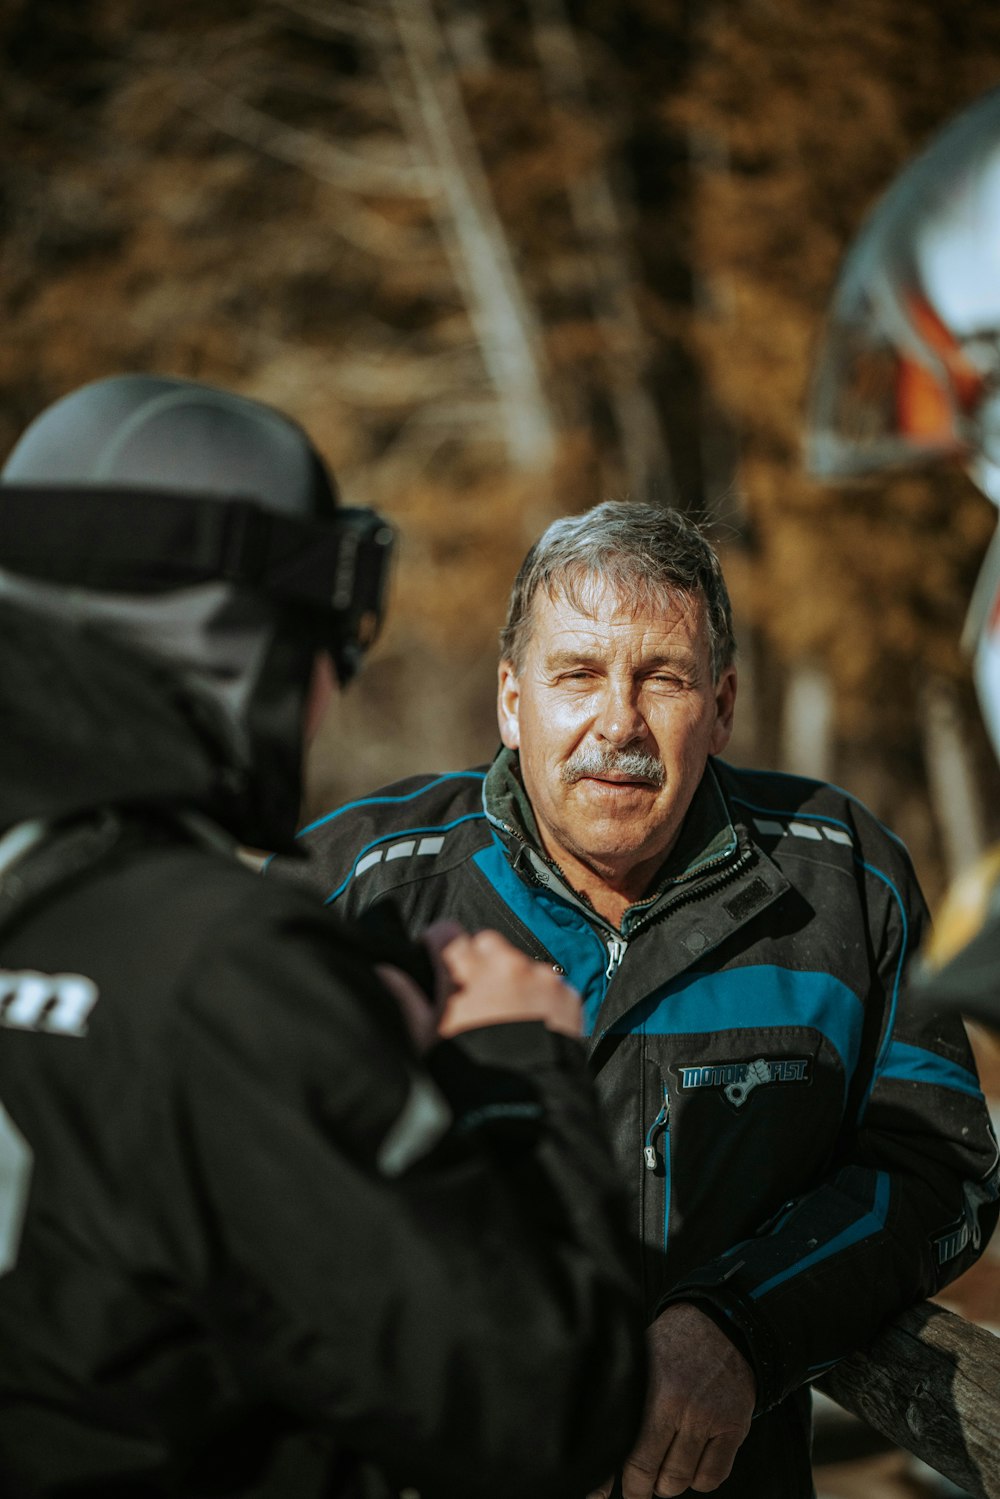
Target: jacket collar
[89,724]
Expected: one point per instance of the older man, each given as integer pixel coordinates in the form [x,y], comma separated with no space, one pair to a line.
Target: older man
[804,1156]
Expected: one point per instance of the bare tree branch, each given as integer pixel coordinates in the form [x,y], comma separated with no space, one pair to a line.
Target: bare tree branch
[400,379]
[377,169]
[339,18]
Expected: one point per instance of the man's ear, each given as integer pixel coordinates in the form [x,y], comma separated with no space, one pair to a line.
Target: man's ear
[725,707]
[508,706]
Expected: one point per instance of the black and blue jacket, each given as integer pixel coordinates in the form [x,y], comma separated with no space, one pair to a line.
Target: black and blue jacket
[805,1151]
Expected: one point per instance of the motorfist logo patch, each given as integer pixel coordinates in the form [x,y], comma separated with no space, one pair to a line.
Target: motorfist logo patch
[737,1080]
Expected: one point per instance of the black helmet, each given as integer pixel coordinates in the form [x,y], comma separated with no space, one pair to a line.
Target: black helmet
[118,486]
[201,528]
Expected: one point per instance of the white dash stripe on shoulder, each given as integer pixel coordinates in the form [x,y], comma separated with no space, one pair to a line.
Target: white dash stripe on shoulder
[816,832]
[401,850]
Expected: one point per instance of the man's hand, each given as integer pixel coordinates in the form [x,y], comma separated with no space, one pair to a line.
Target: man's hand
[481,980]
[698,1410]
[492,982]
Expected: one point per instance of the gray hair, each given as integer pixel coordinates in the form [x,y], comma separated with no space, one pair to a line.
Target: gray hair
[647,553]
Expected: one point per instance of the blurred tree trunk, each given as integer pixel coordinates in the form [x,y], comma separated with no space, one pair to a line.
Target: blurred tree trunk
[605,228]
[657,45]
[475,239]
[951,777]
[807,722]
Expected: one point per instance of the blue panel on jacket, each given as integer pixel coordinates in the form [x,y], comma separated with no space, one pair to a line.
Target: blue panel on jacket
[563,931]
[755,998]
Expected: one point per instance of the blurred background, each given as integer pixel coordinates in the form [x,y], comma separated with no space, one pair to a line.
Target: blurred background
[504,259]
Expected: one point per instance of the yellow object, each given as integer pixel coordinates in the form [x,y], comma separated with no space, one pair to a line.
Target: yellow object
[966,907]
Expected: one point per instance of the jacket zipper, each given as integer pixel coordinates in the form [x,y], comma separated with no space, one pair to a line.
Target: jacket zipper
[695,891]
[615,942]
[616,951]
[701,888]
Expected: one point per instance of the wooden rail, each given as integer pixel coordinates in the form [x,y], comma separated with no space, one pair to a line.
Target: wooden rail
[930,1382]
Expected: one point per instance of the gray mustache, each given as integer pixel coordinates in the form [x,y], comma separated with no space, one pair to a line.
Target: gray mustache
[634,764]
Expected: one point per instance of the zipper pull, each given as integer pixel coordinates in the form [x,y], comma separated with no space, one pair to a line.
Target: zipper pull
[662,1121]
[616,951]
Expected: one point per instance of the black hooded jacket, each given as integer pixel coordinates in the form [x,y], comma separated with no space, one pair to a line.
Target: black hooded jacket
[249,1244]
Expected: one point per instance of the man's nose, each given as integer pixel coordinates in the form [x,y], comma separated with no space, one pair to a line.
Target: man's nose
[619,721]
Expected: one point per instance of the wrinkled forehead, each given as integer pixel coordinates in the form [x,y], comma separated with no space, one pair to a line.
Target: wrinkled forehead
[602,598]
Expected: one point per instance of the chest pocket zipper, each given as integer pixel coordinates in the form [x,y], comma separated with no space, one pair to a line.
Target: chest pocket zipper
[660,1129]
[660,1125]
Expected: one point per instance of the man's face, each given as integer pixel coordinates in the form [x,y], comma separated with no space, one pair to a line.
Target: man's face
[614,715]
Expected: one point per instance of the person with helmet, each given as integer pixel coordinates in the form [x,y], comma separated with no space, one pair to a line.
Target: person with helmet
[262,1232]
[908,374]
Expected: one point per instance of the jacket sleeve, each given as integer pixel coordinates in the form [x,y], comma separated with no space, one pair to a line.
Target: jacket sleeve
[909,1202]
[432,1264]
